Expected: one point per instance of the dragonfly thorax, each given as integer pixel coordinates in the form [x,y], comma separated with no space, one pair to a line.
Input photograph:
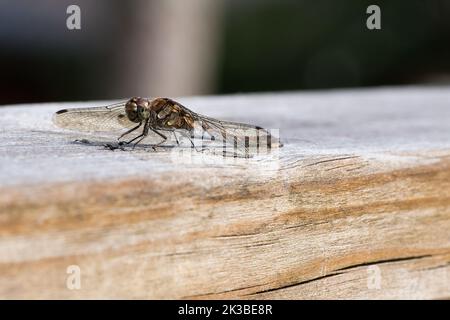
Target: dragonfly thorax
[137,109]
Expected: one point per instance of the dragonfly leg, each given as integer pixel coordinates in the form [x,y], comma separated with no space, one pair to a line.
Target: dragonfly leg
[192,142]
[161,135]
[142,136]
[128,142]
[193,145]
[145,133]
[129,131]
[176,139]
[136,143]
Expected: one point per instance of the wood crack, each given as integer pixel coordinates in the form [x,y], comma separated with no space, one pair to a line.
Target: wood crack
[220,292]
[370,263]
[341,271]
[440,266]
[330,160]
[296,284]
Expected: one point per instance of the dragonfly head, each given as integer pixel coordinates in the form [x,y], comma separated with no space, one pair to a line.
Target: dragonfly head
[137,109]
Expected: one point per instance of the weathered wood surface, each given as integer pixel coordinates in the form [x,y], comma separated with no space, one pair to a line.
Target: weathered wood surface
[355,205]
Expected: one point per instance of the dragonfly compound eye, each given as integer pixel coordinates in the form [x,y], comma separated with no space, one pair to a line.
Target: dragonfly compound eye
[131,109]
[143,113]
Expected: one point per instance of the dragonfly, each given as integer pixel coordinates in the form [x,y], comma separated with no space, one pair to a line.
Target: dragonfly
[165,117]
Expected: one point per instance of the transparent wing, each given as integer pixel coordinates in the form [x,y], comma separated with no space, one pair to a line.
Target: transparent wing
[96,119]
[241,136]
[234,138]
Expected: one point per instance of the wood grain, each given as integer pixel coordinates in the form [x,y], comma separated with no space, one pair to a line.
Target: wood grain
[355,205]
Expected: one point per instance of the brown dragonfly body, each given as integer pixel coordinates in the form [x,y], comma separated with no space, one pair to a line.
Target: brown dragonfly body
[160,115]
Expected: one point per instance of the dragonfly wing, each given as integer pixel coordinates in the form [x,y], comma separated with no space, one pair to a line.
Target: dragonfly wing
[97,119]
[240,136]
[236,137]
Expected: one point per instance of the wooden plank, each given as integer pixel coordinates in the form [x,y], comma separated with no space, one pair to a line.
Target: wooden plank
[355,205]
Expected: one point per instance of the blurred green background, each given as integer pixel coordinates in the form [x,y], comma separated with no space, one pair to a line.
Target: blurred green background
[194,47]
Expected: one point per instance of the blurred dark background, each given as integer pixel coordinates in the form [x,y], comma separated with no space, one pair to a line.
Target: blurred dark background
[193,47]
